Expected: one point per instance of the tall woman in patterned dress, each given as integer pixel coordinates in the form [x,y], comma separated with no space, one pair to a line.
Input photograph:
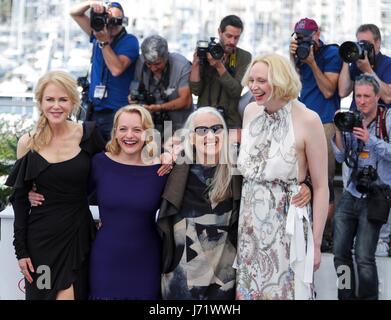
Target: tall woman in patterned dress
[278,244]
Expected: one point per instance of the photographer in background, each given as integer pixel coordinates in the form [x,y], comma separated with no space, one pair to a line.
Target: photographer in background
[163,83]
[364,205]
[381,68]
[217,82]
[319,65]
[114,54]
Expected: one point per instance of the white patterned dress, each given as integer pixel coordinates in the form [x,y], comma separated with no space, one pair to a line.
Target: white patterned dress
[272,261]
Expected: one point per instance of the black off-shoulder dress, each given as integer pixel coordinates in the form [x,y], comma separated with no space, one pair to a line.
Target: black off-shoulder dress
[56,235]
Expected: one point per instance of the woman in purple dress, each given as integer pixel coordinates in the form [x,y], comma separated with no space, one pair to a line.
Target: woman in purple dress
[125,260]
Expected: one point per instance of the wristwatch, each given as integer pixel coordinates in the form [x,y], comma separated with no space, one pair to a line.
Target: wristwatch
[102,44]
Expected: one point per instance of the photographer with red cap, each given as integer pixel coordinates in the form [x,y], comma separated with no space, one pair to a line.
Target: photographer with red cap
[319,66]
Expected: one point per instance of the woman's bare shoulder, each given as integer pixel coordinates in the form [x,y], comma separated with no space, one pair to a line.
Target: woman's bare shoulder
[22,147]
[304,114]
[250,112]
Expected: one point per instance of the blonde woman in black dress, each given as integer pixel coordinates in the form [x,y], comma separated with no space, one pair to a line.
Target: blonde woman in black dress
[52,241]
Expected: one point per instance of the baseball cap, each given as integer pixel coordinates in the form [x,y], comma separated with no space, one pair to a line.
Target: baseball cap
[306,25]
[115,5]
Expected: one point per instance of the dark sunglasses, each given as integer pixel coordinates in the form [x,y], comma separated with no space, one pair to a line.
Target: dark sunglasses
[203,131]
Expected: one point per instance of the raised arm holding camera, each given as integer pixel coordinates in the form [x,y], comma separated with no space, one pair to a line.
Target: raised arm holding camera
[362,141]
[217,71]
[365,57]
[319,66]
[113,58]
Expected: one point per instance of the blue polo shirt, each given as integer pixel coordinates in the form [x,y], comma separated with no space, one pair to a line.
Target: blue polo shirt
[382,70]
[117,87]
[328,60]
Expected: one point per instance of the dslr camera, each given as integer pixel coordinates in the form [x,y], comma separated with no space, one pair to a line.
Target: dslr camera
[213,47]
[99,20]
[304,43]
[365,178]
[346,121]
[143,97]
[352,51]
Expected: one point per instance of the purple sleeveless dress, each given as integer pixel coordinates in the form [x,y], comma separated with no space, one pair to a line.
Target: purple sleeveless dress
[125,258]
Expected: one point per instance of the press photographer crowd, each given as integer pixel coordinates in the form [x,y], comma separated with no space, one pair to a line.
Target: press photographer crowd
[231,197]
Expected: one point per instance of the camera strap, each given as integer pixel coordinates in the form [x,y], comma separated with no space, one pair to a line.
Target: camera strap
[105,70]
[381,125]
[161,85]
[380,132]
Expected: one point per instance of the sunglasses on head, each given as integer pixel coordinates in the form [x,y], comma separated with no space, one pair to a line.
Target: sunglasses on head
[115,5]
[203,130]
[368,78]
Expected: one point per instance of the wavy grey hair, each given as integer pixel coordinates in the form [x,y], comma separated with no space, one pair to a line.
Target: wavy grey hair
[220,188]
[153,48]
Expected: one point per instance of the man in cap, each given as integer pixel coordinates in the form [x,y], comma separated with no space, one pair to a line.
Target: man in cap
[319,66]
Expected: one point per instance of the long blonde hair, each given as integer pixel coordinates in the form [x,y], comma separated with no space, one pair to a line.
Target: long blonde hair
[220,188]
[42,133]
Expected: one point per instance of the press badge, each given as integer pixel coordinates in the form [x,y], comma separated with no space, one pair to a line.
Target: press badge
[100,92]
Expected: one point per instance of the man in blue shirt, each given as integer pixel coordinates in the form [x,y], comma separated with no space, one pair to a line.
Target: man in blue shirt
[319,73]
[365,149]
[113,61]
[381,70]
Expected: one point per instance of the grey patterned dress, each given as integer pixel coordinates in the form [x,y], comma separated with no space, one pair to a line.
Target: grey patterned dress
[268,163]
[205,244]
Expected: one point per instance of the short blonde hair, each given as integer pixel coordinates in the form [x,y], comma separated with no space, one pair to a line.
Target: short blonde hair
[282,76]
[146,121]
[42,133]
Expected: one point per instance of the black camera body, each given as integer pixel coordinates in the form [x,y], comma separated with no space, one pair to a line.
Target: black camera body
[304,44]
[85,111]
[143,97]
[147,98]
[346,121]
[352,51]
[99,20]
[213,47]
[83,83]
[365,178]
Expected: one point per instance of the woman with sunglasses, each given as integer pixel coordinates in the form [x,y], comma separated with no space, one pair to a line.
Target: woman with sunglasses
[199,212]
[278,244]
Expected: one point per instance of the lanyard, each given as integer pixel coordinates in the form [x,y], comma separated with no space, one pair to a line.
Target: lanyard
[104,75]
